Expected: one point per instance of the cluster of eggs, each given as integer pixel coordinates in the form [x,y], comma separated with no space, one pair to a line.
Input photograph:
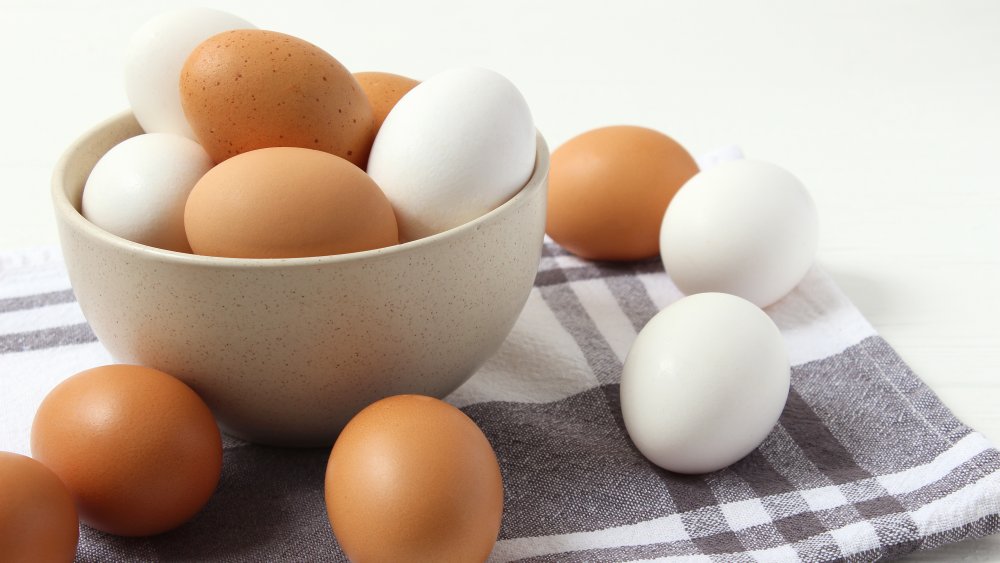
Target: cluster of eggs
[261,145]
[707,378]
[258,144]
[125,449]
[133,451]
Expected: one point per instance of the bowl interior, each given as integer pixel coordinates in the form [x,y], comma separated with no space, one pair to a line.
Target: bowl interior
[71,172]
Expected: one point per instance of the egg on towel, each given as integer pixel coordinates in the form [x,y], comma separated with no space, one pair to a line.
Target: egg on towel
[138,449]
[249,89]
[412,478]
[452,149]
[139,188]
[153,62]
[704,383]
[744,227]
[38,520]
[609,188]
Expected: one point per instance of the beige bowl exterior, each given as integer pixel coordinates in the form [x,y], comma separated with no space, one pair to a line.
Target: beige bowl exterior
[286,351]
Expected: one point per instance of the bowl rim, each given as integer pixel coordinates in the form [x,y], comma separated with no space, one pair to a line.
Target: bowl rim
[71,215]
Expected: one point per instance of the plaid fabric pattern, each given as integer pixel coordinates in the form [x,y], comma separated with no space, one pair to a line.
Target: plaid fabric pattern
[865,463]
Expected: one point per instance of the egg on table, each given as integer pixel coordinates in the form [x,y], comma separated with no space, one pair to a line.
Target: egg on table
[38,520]
[609,188]
[139,451]
[704,383]
[412,478]
[744,227]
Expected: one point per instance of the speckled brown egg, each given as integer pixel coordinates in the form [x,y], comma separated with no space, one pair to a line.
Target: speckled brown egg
[139,451]
[609,189]
[38,520]
[412,478]
[287,202]
[248,89]
[383,89]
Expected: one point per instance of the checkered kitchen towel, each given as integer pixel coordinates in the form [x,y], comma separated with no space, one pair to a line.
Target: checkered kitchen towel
[865,464]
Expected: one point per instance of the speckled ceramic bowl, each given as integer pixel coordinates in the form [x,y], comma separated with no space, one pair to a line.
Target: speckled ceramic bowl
[286,351]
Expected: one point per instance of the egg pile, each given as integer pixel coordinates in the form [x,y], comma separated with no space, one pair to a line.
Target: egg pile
[706,378]
[259,144]
[128,450]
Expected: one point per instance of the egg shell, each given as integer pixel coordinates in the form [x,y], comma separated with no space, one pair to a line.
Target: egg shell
[609,189]
[704,383]
[412,478]
[745,227]
[38,520]
[138,189]
[138,449]
[383,89]
[248,89]
[287,202]
[452,149]
[154,58]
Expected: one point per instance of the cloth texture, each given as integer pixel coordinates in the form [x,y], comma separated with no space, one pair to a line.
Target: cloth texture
[864,464]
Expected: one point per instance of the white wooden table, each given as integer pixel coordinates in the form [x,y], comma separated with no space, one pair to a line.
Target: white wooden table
[888,111]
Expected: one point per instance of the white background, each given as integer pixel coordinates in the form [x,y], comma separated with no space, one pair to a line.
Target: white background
[888,111]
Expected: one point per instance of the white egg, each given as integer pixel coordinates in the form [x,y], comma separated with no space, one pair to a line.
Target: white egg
[138,189]
[455,147]
[744,227]
[704,383]
[154,59]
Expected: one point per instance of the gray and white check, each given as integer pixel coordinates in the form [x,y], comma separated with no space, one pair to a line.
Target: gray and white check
[865,463]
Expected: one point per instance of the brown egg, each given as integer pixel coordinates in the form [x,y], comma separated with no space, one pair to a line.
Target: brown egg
[247,89]
[38,519]
[138,449]
[609,189]
[383,89]
[412,478]
[286,202]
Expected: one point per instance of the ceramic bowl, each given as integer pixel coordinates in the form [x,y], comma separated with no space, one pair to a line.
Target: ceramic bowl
[285,351]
